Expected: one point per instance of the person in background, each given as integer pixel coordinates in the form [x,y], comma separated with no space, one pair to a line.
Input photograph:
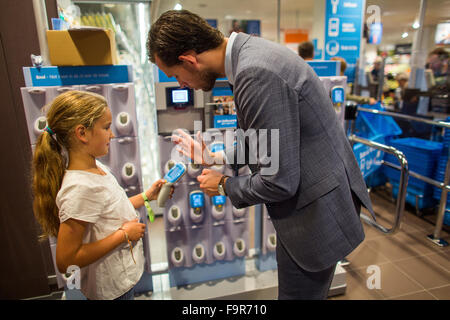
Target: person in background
[376,69]
[306,50]
[402,80]
[311,183]
[438,61]
[349,96]
[236,27]
[82,203]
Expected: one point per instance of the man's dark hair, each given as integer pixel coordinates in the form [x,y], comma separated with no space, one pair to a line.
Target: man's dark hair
[306,50]
[178,31]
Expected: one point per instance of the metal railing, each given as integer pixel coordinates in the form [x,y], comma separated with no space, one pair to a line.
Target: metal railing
[400,206]
[444,186]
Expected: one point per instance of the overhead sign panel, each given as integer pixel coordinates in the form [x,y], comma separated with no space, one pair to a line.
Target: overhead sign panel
[343,32]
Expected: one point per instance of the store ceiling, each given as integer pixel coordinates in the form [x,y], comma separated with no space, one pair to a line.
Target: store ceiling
[397,16]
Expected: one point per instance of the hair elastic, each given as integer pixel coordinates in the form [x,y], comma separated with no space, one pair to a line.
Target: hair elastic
[47,128]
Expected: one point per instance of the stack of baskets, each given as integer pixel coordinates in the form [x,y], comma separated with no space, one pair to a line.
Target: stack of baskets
[422,158]
[379,128]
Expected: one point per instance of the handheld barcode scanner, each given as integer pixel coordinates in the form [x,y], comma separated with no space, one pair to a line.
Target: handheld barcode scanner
[239,213]
[193,169]
[169,165]
[172,176]
[39,125]
[272,242]
[219,250]
[177,257]
[239,247]
[217,147]
[174,215]
[218,209]
[123,123]
[337,97]
[196,202]
[199,253]
[128,172]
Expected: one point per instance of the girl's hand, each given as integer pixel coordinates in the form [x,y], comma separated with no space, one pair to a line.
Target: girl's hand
[134,229]
[152,193]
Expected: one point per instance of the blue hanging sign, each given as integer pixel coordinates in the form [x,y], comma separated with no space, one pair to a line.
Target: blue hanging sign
[375,33]
[343,32]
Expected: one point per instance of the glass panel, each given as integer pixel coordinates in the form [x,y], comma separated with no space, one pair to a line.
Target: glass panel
[131,23]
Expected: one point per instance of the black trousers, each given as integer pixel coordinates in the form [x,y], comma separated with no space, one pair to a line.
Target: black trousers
[295,283]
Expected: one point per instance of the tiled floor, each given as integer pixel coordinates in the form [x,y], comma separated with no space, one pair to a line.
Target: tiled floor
[411,266]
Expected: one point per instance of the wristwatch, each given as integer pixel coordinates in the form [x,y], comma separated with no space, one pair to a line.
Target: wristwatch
[221,186]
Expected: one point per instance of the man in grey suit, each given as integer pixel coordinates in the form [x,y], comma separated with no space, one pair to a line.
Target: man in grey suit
[315,196]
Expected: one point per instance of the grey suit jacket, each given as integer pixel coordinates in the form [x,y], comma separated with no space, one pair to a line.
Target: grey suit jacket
[314,198]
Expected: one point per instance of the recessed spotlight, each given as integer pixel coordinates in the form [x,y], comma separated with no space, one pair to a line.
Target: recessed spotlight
[178,7]
[416,25]
[405,35]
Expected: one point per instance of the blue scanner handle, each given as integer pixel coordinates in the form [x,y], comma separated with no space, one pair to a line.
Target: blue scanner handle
[174,175]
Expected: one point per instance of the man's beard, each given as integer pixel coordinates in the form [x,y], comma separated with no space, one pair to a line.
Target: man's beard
[208,79]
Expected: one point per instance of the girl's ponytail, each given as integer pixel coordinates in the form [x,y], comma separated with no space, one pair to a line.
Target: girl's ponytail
[48,172]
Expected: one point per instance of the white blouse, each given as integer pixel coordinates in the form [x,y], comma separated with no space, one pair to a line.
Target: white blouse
[102,202]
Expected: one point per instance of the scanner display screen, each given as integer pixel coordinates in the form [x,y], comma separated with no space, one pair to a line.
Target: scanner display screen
[175,173]
[197,200]
[218,200]
[337,95]
[217,147]
[179,97]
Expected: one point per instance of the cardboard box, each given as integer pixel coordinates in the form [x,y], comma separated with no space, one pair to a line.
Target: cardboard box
[82,47]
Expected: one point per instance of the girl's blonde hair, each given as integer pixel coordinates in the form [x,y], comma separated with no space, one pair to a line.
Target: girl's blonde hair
[68,110]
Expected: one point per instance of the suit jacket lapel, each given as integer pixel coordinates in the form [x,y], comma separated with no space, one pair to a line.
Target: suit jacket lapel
[239,41]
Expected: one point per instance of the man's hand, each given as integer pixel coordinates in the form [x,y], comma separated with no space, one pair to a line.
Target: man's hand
[209,181]
[195,150]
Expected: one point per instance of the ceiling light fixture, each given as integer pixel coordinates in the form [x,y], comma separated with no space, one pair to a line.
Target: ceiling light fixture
[416,25]
[178,7]
[405,35]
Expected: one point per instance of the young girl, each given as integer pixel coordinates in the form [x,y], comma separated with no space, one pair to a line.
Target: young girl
[82,204]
